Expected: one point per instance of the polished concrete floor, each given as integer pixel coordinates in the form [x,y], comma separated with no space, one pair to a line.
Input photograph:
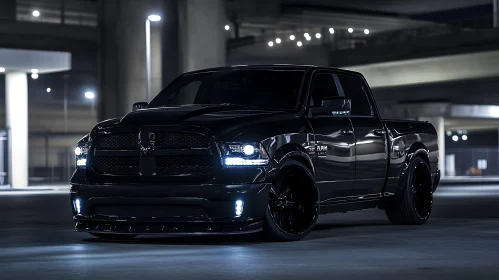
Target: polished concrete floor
[461,241]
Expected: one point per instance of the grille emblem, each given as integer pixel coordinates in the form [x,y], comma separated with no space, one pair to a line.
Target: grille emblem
[146,143]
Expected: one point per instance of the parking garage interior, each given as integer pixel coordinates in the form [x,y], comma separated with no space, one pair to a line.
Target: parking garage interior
[427,60]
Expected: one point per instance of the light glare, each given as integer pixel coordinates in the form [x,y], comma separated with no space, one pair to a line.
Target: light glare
[34,71]
[78,205]
[455,138]
[89,95]
[81,162]
[36,13]
[239,208]
[331,30]
[306,35]
[299,43]
[248,150]
[278,40]
[2,70]
[154,18]
[237,161]
[350,30]
[227,27]
[464,137]
[318,35]
[271,44]
[49,90]
[34,76]
[292,37]
[78,151]
[366,31]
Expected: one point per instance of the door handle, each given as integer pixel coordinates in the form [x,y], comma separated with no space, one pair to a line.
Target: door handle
[379,132]
[346,131]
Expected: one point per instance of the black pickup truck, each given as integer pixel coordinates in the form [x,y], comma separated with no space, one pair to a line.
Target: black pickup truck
[250,149]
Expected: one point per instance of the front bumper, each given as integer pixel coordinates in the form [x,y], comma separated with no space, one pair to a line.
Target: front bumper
[169,209]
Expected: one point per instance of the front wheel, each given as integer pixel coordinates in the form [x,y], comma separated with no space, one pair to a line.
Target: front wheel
[415,203]
[293,206]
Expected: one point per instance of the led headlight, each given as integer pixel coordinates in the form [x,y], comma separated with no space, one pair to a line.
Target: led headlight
[81,152]
[243,154]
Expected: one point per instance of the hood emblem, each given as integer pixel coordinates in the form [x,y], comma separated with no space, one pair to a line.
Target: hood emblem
[146,143]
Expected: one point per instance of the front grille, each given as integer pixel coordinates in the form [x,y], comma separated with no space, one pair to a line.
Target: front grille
[148,211]
[116,165]
[110,159]
[184,165]
[181,140]
[119,141]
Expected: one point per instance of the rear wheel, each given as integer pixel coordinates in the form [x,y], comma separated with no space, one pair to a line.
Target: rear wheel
[415,204]
[115,237]
[293,205]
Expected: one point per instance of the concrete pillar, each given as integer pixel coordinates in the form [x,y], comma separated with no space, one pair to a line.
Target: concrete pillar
[202,34]
[496,12]
[122,54]
[16,100]
[438,123]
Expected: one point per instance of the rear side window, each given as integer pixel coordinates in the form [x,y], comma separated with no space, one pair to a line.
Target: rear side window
[355,90]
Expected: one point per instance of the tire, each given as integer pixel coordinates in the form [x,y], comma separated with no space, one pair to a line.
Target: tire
[293,206]
[114,237]
[414,205]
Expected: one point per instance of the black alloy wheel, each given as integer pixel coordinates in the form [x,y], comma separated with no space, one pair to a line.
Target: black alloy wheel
[415,203]
[293,205]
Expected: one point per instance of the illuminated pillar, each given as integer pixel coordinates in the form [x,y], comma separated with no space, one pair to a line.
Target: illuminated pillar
[16,100]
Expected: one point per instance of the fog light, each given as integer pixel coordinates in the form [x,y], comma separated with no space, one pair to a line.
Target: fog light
[81,162]
[239,208]
[77,206]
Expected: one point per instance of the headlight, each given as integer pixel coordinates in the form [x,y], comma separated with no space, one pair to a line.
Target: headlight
[81,152]
[241,154]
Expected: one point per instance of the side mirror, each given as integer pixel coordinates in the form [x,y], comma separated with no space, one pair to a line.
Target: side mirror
[139,106]
[333,106]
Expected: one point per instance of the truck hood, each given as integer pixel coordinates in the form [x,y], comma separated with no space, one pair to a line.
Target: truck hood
[225,122]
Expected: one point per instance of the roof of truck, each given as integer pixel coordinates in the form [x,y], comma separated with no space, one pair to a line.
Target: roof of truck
[290,67]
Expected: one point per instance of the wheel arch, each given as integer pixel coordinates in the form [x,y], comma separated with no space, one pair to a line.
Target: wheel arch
[290,152]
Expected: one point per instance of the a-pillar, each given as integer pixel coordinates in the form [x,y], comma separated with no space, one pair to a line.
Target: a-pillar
[17,124]
[438,123]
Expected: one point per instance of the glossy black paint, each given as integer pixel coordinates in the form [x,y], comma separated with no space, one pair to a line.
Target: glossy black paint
[358,162]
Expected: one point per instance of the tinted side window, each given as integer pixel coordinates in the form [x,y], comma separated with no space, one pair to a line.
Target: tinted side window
[355,90]
[323,86]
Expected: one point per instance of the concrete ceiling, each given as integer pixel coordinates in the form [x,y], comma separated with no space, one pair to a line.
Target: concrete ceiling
[18,60]
[405,7]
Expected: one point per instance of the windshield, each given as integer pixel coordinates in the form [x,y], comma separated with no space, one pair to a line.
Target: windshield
[266,89]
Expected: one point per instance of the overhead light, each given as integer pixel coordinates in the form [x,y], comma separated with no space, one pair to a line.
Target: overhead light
[2,70]
[464,137]
[227,27]
[455,138]
[36,13]
[271,44]
[299,43]
[366,31]
[292,37]
[278,40]
[318,35]
[89,95]
[331,30]
[34,71]
[49,89]
[34,76]
[449,133]
[306,35]
[350,30]
[308,38]
[154,17]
